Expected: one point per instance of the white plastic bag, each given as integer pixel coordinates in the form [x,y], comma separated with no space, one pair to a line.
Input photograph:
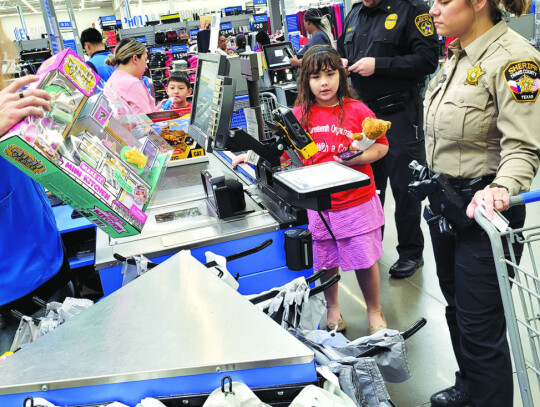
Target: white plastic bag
[221,269]
[330,395]
[241,396]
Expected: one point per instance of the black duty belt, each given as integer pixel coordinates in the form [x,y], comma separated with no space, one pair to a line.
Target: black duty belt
[469,186]
[392,102]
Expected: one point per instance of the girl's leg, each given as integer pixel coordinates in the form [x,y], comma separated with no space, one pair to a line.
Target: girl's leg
[331,295]
[370,284]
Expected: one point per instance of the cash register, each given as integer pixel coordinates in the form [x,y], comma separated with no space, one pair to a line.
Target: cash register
[282,74]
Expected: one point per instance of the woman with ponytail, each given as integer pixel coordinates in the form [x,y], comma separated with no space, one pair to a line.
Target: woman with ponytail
[318,26]
[130,56]
[482,117]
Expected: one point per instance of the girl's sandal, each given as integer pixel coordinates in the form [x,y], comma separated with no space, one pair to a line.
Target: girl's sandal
[376,328]
[340,323]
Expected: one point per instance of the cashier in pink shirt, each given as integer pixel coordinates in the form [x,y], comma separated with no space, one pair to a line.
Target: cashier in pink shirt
[130,58]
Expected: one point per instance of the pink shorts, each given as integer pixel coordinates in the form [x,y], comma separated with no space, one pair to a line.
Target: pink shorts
[358,234]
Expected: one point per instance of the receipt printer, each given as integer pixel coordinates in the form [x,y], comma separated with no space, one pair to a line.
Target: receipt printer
[225,196]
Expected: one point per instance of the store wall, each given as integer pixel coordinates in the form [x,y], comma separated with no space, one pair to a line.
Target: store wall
[36,25]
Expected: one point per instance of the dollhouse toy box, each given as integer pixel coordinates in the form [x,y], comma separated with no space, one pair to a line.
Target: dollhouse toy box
[83,155]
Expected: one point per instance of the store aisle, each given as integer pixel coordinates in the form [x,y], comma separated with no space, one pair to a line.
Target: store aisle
[404,301]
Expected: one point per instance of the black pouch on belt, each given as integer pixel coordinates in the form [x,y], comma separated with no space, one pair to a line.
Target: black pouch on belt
[392,102]
[298,249]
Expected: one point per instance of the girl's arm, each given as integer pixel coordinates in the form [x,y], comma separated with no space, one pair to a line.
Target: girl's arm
[372,154]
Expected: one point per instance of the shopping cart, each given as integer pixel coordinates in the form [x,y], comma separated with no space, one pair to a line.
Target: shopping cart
[268,104]
[522,304]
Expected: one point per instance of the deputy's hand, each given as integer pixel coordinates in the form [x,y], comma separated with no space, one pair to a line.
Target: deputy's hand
[364,66]
[497,198]
[16,104]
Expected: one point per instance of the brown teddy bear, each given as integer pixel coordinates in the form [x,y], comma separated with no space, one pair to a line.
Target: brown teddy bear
[372,129]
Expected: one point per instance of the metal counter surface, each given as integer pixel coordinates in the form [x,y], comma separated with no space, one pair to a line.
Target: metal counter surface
[191,222]
[146,330]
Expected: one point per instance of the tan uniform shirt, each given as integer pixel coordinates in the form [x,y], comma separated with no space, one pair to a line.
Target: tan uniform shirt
[481,111]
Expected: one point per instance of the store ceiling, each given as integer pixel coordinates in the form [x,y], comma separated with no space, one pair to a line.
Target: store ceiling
[32,6]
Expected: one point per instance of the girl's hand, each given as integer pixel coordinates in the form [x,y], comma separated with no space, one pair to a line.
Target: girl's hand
[240,158]
[16,104]
[339,160]
[497,198]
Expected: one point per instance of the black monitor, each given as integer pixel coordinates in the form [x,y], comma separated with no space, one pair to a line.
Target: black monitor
[209,67]
[277,55]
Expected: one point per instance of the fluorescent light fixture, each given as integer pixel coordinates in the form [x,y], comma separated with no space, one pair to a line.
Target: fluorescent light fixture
[82,4]
[29,6]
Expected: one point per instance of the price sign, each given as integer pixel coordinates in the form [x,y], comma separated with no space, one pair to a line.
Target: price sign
[260,22]
[226,28]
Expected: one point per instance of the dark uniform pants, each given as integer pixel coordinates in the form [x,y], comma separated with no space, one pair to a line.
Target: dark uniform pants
[406,143]
[475,315]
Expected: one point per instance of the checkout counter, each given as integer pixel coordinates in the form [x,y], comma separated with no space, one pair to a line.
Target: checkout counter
[178,329]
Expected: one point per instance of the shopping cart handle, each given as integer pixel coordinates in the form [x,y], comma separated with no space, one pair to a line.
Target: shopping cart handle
[526,197]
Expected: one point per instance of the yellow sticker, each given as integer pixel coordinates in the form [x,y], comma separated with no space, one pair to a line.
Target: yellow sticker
[390,21]
[424,23]
[349,29]
[473,74]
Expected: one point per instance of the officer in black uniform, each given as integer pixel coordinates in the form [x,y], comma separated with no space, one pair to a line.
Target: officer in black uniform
[390,46]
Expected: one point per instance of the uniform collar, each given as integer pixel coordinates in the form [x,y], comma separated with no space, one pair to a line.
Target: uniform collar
[478,47]
[387,6]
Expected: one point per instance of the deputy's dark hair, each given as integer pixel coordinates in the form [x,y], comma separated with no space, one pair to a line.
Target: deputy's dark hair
[124,51]
[176,76]
[92,36]
[315,60]
[517,7]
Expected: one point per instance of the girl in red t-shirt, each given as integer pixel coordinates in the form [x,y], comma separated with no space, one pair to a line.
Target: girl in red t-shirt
[326,110]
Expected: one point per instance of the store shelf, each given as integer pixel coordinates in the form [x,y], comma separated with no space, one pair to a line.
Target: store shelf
[35,52]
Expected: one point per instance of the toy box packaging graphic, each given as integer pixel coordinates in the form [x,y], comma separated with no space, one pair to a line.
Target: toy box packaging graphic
[96,166]
[175,133]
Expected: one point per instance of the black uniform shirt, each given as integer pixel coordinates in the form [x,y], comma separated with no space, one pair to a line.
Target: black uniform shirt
[400,35]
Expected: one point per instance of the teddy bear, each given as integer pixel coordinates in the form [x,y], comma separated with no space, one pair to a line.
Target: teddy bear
[372,129]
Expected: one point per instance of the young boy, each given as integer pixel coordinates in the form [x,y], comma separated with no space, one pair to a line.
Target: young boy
[178,89]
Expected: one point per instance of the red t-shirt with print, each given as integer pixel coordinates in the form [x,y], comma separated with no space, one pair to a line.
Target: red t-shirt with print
[332,138]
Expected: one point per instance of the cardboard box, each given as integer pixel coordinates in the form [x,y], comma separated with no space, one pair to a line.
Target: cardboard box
[91,162]
[175,133]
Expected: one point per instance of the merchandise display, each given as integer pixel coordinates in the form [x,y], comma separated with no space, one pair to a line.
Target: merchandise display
[83,155]
[175,132]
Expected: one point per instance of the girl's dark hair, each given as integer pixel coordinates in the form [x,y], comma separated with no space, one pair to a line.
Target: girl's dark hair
[176,76]
[315,60]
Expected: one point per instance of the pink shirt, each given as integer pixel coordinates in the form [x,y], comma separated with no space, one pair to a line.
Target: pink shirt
[131,90]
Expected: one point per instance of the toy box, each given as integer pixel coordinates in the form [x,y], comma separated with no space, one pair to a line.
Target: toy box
[175,133]
[93,163]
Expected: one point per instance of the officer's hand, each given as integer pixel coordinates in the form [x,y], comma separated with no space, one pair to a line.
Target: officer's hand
[364,66]
[497,198]
[345,62]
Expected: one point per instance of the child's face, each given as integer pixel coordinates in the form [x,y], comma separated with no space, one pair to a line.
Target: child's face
[179,90]
[324,86]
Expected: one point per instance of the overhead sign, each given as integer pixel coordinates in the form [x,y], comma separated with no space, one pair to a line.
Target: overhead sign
[141,39]
[107,21]
[225,26]
[259,2]
[65,24]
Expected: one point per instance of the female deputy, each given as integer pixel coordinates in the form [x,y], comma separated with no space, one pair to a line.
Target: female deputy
[130,56]
[489,86]
[318,26]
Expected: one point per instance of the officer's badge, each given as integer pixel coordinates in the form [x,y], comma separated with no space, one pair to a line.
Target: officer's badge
[523,80]
[473,74]
[390,21]
[424,23]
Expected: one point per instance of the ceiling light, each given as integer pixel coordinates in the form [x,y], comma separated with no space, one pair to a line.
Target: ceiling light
[29,6]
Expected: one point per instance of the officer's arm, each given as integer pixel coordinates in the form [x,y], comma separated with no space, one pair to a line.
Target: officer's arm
[422,40]
[520,155]
[340,45]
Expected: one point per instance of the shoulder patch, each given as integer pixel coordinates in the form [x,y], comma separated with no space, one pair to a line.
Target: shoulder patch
[424,23]
[523,80]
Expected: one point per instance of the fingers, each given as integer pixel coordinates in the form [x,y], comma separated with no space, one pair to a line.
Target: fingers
[20,83]
[29,110]
[490,198]
[345,62]
[356,66]
[339,160]
[34,101]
